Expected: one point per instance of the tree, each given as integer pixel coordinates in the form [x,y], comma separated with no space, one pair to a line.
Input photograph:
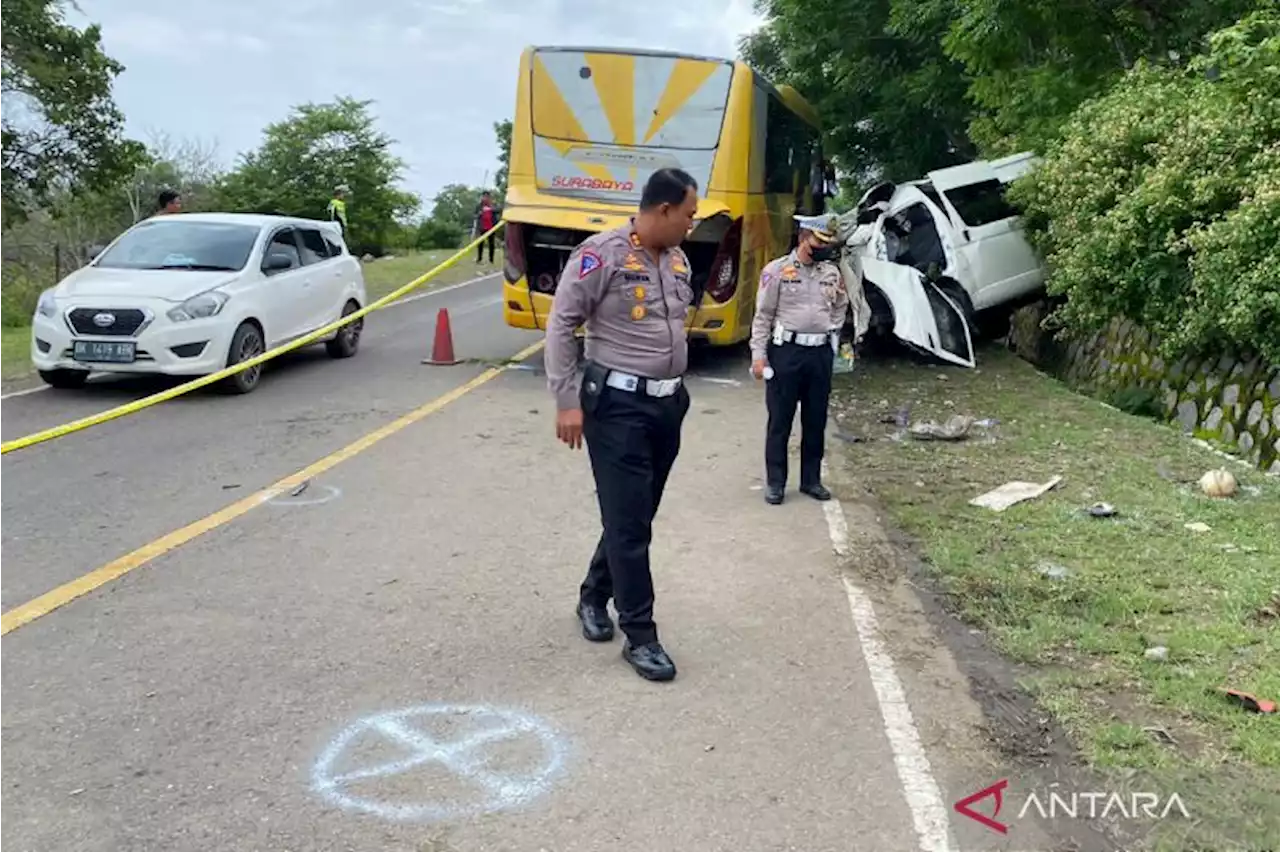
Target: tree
[61,128]
[318,147]
[434,234]
[455,206]
[1032,62]
[502,129]
[892,103]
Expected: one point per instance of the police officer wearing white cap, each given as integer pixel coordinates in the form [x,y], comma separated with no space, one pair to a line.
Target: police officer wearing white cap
[800,308]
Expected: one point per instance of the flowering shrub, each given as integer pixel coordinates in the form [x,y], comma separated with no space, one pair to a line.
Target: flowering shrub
[1160,202]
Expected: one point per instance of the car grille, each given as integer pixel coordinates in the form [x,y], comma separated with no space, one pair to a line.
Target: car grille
[125,321]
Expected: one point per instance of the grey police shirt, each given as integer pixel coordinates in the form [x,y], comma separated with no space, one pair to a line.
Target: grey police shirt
[806,299]
[634,309]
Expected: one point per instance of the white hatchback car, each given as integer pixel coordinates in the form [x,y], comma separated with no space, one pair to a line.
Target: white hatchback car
[190,294]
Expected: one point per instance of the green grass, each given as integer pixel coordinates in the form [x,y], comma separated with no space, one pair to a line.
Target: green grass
[15,356]
[1134,581]
[388,275]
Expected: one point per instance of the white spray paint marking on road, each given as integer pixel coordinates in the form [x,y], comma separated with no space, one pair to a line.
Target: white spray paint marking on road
[314,495]
[481,789]
[919,788]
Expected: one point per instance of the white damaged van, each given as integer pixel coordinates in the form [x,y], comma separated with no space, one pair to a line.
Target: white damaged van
[942,258]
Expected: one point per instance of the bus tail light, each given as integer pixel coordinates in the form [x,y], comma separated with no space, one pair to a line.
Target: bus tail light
[722,282]
[513,249]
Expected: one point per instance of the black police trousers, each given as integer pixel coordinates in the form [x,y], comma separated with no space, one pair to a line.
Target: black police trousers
[633,440]
[801,375]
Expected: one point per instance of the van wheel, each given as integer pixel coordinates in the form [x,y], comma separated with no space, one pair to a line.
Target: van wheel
[347,340]
[246,343]
[64,379]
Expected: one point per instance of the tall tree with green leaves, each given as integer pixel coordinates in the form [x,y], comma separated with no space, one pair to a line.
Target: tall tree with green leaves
[892,103]
[317,148]
[1032,62]
[502,130]
[61,128]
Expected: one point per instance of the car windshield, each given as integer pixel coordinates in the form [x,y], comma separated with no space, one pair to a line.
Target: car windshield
[171,243]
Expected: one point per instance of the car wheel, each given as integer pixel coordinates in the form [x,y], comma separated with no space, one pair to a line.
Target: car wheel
[347,340]
[246,343]
[64,379]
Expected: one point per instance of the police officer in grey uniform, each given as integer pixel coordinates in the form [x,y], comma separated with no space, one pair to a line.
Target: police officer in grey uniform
[800,308]
[631,288]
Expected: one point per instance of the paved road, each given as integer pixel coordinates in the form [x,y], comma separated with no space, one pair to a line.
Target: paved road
[399,667]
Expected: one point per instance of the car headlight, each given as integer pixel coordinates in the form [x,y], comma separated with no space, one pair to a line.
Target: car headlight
[47,307]
[199,307]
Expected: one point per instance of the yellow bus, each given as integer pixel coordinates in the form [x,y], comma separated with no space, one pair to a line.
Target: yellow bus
[591,125]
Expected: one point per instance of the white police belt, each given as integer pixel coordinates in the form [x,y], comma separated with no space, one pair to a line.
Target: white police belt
[816,339]
[639,384]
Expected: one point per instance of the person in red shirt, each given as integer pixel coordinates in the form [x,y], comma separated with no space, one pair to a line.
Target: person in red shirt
[487,215]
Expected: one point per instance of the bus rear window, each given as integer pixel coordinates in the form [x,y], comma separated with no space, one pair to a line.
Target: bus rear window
[629,99]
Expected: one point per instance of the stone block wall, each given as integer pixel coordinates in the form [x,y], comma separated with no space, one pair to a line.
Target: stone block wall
[1232,401]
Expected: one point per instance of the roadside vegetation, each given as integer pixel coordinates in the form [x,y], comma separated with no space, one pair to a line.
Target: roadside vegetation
[1131,623]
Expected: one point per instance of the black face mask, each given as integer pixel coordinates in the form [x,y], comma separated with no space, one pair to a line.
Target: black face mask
[824,252]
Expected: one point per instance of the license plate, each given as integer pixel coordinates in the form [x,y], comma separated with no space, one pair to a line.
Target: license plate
[100,351]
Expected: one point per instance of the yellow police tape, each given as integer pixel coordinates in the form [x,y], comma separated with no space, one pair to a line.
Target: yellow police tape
[187,387]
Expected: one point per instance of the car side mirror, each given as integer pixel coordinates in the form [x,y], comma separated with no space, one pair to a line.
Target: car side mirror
[277,262]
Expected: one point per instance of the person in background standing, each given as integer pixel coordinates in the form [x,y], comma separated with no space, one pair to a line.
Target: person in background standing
[800,309]
[630,287]
[487,215]
[170,202]
[337,208]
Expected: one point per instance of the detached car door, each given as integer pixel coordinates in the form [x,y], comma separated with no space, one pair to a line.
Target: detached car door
[924,317]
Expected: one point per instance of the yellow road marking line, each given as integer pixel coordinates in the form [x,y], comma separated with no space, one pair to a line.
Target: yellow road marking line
[67,592]
[187,387]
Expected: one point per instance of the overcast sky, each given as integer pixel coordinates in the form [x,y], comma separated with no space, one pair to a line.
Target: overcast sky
[440,72]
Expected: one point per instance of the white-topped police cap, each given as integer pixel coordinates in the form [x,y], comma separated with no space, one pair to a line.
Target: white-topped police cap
[822,226]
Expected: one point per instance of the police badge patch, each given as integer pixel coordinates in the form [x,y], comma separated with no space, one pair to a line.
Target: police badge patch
[589,263]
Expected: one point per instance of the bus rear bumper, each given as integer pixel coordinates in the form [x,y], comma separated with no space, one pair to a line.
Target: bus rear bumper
[715,324]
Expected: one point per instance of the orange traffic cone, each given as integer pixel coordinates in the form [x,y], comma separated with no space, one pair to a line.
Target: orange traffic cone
[442,347]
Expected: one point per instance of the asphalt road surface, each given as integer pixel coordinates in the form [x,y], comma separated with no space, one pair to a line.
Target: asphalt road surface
[390,661]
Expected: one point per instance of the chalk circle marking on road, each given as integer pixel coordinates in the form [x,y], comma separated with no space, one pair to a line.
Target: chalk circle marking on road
[312,495]
[468,753]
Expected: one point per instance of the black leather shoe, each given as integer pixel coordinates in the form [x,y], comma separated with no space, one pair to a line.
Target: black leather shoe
[773,495]
[817,492]
[650,661]
[597,626]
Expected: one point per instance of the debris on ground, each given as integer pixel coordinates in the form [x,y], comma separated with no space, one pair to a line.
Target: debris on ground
[300,488]
[847,438]
[1102,510]
[1052,570]
[1011,493]
[986,423]
[1198,527]
[1269,611]
[955,429]
[1156,653]
[1160,734]
[1219,483]
[1249,702]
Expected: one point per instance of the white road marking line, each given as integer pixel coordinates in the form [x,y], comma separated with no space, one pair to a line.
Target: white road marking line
[919,788]
[24,392]
[406,300]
